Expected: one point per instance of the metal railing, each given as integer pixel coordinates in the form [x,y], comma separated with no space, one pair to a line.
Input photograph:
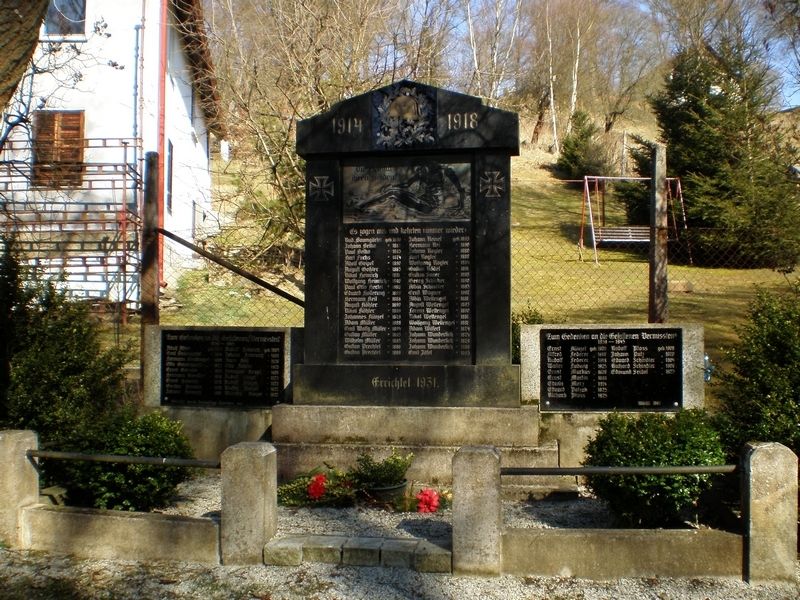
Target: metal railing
[125,459]
[579,471]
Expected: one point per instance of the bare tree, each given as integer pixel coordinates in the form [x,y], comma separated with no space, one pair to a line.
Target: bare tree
[492,30]
[286,60]
[623,60]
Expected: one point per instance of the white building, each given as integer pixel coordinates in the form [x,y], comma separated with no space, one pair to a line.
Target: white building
[117,79]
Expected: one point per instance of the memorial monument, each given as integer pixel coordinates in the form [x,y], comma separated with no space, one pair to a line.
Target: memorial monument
[408,251]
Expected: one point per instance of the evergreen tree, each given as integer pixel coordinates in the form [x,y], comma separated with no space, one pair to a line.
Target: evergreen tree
[715,115]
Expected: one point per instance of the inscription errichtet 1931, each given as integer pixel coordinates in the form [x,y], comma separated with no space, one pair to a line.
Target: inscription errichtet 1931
[604,369]
[219,367]
[408,250]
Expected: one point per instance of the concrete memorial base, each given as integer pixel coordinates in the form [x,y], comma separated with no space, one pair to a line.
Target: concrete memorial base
[407,385]
[308,436]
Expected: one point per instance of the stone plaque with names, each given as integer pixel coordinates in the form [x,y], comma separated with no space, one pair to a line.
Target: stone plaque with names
[220,367]
[607,369]
[408,251]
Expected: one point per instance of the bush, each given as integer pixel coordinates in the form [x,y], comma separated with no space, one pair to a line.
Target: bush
[760,396]
[581,153]
[653,440]
[371,473]
[327,486]
[128,487]
[524,316]
[57,379]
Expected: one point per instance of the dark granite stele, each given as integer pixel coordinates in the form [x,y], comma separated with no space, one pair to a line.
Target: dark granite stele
[408,251]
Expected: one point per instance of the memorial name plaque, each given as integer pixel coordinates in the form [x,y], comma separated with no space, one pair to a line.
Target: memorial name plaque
[406,278]
[217,367]
[408,251]
[606,369]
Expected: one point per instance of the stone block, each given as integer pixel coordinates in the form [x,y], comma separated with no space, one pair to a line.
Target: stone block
[405,425]
[770,512]
[19,483]
[398,553]
[607,554]
[324,548]
[430,558]
[249,501]
[119,535]
[477,511]
[285,552]
[362,551]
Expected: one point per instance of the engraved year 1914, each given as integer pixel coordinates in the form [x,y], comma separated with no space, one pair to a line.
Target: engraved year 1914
[346,125]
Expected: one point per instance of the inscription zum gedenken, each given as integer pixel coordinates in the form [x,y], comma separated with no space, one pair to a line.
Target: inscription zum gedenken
[604,369]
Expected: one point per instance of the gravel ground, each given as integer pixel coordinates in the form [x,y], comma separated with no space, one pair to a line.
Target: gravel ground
[33,576]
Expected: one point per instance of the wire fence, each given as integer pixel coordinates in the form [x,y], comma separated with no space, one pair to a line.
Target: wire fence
[551,273]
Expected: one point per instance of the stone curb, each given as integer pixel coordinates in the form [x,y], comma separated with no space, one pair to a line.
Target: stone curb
[420,555]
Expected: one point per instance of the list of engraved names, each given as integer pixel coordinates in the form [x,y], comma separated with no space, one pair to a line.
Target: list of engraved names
[222,367]
[602,368]
[407,292]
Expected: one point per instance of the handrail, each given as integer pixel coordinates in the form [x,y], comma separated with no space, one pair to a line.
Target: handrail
[125,459]
[577,471]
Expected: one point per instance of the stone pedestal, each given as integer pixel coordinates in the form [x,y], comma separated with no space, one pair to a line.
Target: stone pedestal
[249,502]
[19,483]
[770,512]
[477,512]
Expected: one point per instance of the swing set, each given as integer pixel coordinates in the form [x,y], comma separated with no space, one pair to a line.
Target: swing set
[593,213]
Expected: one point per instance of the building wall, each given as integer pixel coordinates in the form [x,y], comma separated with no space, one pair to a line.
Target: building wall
[113,75]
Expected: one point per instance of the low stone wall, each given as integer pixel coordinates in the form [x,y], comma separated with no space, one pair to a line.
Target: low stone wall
[113,534]
[614,553]
[249,512]
[765,552]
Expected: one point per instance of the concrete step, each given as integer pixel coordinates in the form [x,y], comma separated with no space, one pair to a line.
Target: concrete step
[405,425]
[420,555]
[431,464]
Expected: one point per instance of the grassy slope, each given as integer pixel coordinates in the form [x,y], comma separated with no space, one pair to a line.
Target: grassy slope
[548,273]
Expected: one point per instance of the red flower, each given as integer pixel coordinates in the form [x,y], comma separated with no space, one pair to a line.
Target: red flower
[316,489]
[427,500]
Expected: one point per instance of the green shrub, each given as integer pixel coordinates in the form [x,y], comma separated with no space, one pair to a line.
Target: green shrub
[371,473]
[581,153]
[760,396]
[523,316]
[336,489]
[330,486]
[58,380]
[128,487]
[688,438]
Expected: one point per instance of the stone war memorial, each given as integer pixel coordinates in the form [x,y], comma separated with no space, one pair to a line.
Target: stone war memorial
[408,251]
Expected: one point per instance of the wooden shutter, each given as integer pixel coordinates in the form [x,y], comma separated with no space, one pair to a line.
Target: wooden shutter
[58,149]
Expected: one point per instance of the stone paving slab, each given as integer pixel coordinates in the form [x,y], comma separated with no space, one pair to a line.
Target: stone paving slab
[362,551]
[420,555]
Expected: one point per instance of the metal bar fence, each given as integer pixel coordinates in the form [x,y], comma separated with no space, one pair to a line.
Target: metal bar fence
[125,459]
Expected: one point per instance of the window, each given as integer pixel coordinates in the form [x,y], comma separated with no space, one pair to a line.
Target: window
[57,149]
[65,17]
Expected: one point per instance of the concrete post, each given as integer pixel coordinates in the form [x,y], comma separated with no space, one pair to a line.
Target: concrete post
[19,483]
[770,512]
[249,502]
[477,512]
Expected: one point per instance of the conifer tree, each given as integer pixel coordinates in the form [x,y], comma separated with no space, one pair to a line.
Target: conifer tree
[715,114]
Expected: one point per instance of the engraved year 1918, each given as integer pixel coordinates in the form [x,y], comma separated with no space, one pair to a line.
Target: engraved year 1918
[467,120]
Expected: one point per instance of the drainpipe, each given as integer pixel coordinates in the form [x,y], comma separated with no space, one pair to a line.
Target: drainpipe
[162,100]
[136,56]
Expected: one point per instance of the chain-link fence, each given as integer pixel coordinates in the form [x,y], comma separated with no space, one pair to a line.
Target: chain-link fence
[551,273]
